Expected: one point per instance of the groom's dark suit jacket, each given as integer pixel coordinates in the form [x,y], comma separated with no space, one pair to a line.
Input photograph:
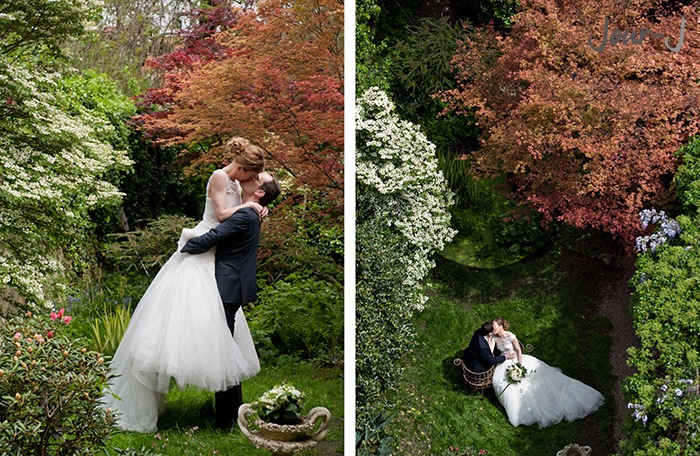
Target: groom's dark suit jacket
[236,239]
[477,356]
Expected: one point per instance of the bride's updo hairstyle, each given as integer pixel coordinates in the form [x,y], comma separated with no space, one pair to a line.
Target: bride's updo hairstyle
[250,157]
[502,322]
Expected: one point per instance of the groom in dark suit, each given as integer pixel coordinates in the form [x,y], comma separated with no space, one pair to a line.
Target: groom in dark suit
[477,356]
[236,239]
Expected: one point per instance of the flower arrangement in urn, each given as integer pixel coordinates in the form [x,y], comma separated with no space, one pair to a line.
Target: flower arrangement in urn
[280,405]
[282,429]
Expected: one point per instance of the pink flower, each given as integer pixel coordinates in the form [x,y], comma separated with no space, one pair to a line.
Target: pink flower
[18,336]
[49,334]
[68,319]
[54,316]
[61,312]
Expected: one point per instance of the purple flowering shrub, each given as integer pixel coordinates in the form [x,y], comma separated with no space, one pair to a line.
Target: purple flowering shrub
[668,229]
[50,388]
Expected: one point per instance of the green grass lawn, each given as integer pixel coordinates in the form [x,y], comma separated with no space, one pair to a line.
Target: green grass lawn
[323,387]
[550,303]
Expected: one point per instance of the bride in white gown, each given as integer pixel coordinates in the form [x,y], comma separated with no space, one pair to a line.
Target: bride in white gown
[178,330]
[547,396]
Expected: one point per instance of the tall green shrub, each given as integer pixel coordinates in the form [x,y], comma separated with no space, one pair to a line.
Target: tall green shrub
[304,314]
[664,396]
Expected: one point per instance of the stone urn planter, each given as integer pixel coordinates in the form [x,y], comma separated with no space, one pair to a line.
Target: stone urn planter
[575,450]
[285,439]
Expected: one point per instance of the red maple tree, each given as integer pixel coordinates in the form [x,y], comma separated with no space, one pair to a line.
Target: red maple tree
[272,74]
[585,137]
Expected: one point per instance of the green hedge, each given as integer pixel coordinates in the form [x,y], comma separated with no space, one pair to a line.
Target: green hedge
[664,395]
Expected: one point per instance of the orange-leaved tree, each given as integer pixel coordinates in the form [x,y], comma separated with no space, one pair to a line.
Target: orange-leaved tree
[277,81]
[587,136]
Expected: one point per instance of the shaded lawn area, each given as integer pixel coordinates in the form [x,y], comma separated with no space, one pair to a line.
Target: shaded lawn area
[189,408]
[550,303]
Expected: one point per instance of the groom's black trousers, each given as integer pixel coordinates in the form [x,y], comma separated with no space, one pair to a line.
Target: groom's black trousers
[227,402]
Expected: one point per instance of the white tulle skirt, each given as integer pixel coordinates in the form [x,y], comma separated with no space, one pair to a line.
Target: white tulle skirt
[545,398]
[178,332]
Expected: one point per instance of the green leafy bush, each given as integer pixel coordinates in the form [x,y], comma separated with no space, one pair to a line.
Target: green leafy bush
[373,439]
[303,232]
[147,250]
[687,180]
[50,388]
[664,394]
[402,219]
[384,333]
[304,314]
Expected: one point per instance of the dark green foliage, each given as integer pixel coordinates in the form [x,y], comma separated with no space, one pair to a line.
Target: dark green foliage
[373,439]
[687,179]
[422,58]
[157,185]
[303,232]
[421,69]
[50,388]
[468,190]
[500,228]
[40,27]
[517,234]
[484,12]
[303,315]
[371,64]
[146,251]
[383,321]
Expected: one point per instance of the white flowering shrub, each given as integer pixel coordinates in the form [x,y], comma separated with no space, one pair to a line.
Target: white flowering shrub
[400,185]
[402,219]
[53,165]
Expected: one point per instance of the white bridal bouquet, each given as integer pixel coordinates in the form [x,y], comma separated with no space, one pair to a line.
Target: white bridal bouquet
[515,373]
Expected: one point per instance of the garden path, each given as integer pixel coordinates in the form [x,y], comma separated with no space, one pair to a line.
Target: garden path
[613,301]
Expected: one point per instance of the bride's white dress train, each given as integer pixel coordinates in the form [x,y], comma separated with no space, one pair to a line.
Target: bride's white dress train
[546,397]
[178,331]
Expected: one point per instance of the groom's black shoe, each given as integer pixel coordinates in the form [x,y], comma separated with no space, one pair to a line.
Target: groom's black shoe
[226,427]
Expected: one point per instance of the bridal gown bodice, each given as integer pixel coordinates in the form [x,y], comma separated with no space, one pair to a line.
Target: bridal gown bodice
[505,345]
[178,333]
[546,397]
[209,219]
